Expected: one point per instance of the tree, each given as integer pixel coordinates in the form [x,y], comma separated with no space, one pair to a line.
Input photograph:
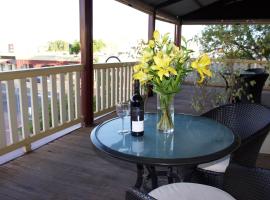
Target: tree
[75,47]
[98,45]
[237,41]
[58,45]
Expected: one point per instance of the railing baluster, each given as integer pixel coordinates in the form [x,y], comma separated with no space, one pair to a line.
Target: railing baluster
[126,84]
[12,119]
[62,99]
[70,97]
[54,112]
[107,93]
[24,108]
[117,85]
[131,81]
[98,99]
[44,103]
[77,95]
[3,140]
[102,90]
[113,85]
[34,105]
[97,90]
[121,84]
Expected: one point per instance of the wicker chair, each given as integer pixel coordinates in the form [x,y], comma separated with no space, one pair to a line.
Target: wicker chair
[241,183]
[252,123]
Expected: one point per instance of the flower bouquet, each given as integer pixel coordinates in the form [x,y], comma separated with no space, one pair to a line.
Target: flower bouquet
[165,66]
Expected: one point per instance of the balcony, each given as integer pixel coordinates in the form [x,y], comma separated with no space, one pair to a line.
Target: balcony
[71,158]
[45,150]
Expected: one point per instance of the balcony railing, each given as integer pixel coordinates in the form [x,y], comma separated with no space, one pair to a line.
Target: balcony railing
[113,83]
[38,103]
[52,95]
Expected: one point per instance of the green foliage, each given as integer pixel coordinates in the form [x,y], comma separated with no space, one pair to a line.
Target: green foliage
[98,45]
[75,47]
[237,41]
[206,97]
[58,45]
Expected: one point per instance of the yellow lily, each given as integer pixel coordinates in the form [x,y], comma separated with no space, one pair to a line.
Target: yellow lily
[146,56]
[165,38]
[163,61]
[202,66]
[151,44]
[163,66]
[156,35]
[137,67]
[142,77]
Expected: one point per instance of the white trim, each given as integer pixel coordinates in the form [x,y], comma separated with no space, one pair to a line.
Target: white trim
[54,136]
[104,115]
[11,155]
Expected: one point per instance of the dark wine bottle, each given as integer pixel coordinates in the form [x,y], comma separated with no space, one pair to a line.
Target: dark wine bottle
[137,111]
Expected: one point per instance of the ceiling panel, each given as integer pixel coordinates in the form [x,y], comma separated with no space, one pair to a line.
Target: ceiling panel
[153,2]
[206,2]
[182,7]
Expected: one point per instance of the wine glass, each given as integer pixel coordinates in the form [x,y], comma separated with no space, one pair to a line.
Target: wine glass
[123,110]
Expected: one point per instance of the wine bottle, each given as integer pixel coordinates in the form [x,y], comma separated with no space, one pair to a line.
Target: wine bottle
[137,111]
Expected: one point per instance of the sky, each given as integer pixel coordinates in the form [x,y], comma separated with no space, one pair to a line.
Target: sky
[30,24]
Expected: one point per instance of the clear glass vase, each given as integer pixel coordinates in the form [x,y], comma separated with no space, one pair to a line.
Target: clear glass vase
[165,112]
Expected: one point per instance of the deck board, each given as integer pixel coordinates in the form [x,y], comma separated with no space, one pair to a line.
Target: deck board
[71,169]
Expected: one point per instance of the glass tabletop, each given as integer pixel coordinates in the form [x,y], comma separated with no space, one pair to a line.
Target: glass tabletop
[195,140]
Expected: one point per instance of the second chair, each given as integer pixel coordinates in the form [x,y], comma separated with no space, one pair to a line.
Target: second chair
[252,123]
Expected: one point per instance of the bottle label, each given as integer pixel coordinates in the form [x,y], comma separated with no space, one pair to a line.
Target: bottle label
[137,126]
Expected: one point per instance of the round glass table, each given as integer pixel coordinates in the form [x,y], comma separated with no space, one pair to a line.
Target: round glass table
[195,140]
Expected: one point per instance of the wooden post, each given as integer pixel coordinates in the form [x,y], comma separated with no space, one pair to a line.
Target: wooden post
[151,25]
[151,29]
[87,77]
[177,33]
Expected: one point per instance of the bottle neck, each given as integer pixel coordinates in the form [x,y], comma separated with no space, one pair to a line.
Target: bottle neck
[137,87]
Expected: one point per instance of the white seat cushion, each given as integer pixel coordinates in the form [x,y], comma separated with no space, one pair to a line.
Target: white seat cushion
[189,191]
[219,165]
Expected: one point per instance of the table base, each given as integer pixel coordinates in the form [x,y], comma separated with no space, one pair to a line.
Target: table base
[149,173]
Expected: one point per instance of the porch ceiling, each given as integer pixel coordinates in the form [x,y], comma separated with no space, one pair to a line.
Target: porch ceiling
[205,11]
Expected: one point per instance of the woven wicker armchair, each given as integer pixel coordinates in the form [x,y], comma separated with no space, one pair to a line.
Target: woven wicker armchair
[252,123]
[242,183]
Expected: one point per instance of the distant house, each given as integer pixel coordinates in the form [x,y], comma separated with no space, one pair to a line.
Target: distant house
[46,61]
[7,62]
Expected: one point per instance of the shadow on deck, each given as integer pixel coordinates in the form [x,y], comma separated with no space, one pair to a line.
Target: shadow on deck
[70,169]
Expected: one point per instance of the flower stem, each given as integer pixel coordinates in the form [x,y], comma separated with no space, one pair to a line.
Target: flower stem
[165,123]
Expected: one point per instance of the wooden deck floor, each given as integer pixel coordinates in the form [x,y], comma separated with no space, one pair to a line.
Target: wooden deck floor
[70,169]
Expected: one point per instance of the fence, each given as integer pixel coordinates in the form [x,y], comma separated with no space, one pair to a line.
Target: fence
[113,83]
[53,95]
